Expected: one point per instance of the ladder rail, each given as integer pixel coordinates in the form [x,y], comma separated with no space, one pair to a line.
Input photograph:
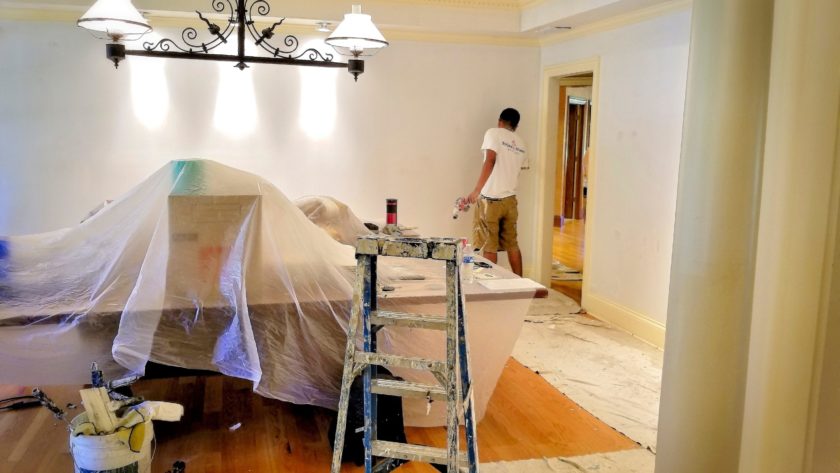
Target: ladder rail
[453,373]
[362,275]
[452,303]
[370,371]
[467,397]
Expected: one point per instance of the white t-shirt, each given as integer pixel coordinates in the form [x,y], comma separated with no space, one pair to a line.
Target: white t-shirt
[510,159]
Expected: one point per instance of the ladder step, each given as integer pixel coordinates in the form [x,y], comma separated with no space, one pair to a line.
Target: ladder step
[382,317]
[380,359]
[391,387]
[410,452]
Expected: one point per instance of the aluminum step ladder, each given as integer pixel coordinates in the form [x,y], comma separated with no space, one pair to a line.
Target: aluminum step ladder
[458,394]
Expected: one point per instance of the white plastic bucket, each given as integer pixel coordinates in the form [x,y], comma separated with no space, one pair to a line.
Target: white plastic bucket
[109,454]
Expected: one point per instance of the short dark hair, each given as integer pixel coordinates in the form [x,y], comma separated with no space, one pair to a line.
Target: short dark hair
[511,116]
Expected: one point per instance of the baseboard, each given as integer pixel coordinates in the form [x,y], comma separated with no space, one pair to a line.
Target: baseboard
[626,319]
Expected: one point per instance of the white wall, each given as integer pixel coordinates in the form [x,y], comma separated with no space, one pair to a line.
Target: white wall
[411,127]
[634,173]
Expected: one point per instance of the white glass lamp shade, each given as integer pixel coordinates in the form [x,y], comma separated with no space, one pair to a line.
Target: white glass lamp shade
[357,35]
[115,19]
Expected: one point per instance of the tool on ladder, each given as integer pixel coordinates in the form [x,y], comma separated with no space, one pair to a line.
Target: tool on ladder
[457,394]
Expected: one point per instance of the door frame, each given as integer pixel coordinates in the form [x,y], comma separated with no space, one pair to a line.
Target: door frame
[552,78]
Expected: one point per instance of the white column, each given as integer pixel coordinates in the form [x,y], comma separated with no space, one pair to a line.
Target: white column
[713,263]
[793,391]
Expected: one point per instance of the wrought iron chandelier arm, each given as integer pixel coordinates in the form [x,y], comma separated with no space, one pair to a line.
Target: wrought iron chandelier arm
[213,28]
[291,42]
[164,45]
[241,15]
[189,35]
[262,38]
[314,55]
[266,33]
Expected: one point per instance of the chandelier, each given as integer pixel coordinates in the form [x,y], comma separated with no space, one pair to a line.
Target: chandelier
[119,21]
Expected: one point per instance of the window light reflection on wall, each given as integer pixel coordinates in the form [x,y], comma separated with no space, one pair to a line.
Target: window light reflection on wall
[318,102]
[236,101]
[149,92]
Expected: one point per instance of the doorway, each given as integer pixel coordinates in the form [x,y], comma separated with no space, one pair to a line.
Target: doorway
[569,155]
[571,184]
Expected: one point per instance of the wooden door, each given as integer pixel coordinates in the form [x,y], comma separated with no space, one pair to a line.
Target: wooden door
[575,133]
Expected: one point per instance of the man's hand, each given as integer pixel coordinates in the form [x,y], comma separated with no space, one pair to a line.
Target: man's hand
[473,197]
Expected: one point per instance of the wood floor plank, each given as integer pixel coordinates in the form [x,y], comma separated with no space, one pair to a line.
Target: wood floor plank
[529,418]
[568,248]
[568,243]
[526,418]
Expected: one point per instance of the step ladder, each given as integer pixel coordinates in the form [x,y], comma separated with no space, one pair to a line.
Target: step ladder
[457,394]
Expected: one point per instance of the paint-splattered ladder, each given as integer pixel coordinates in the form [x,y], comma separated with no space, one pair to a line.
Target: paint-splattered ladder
[458,395]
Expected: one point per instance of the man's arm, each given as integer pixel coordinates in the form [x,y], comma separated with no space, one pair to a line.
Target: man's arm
[486,170]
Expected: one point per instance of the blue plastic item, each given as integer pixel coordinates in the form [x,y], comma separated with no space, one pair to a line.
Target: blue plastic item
[4,256]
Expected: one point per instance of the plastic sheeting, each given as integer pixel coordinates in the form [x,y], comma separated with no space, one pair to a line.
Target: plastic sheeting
[334,217]
[203,266]
[200,266]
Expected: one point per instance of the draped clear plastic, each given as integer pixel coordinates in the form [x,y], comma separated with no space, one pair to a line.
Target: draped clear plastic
[203,266]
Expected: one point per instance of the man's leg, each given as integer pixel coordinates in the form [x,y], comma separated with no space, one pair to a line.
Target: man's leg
[492,256]
[507,235]
[515,259]
[487,221]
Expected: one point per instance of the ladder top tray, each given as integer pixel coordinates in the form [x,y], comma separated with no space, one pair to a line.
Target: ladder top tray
[424,248]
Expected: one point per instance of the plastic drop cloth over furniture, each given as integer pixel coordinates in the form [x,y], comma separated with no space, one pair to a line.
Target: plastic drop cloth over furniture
[334,217]
[201,266]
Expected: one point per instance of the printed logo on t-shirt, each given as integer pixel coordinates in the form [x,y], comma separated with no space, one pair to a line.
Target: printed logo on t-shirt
[512,146]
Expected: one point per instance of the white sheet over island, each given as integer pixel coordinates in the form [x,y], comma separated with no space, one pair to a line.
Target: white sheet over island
[203,266]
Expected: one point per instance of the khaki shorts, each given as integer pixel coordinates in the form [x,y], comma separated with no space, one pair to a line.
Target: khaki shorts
[494,224]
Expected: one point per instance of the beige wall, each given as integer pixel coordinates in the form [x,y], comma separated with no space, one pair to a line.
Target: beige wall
[633,179]
[76,132]
[793,395]
[750,383]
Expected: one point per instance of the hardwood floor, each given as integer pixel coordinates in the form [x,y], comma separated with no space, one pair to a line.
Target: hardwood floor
[567,248]
[526,418]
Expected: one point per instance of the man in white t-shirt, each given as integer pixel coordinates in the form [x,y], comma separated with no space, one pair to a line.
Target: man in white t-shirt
[494,223]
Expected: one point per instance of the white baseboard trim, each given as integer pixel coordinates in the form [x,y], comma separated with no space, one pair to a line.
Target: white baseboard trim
[626,319]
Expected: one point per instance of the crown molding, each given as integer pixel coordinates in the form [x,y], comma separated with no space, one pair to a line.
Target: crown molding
[17,11]
[501,4]
[493,40]
[496,4]
[618,21]
[182,20]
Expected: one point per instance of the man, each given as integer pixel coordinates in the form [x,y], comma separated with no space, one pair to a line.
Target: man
[494,223]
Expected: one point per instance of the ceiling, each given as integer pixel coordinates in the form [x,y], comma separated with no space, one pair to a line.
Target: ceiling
[524,20]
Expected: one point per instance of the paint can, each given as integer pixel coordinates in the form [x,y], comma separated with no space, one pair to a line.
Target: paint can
[391,211]
[112,453]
